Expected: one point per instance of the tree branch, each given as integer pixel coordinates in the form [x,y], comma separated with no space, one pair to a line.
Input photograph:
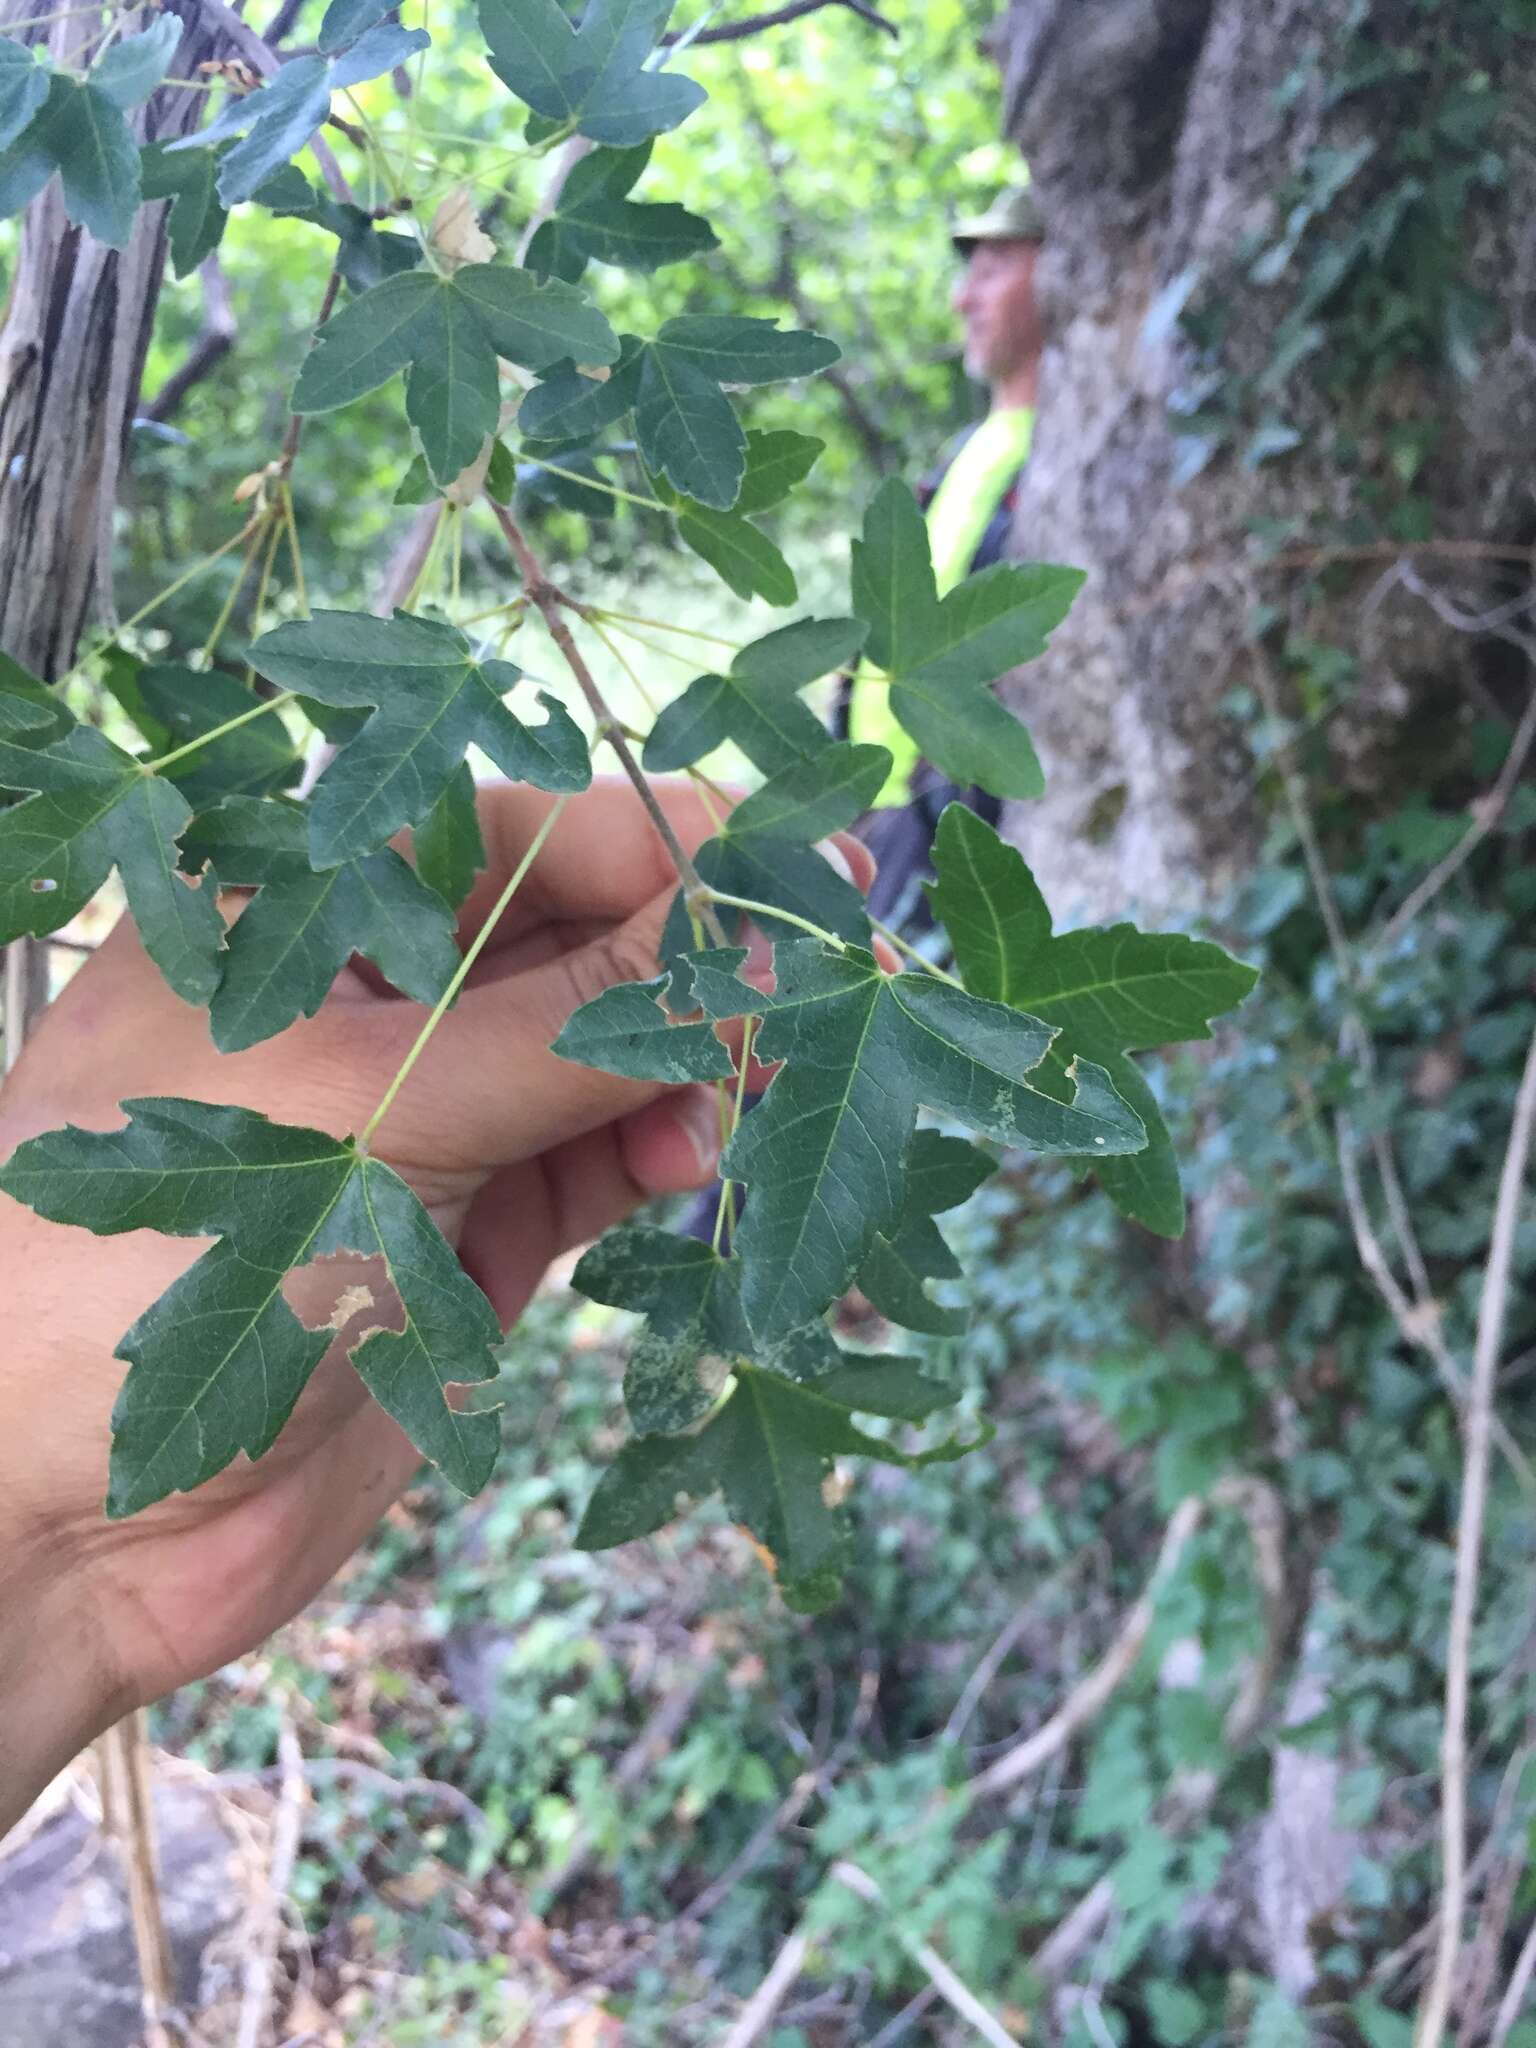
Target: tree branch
[550,601]
[1477,1436]
[953,1989]
[754,25]
[214,340]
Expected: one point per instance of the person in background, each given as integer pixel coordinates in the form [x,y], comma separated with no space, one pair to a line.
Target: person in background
[969,501]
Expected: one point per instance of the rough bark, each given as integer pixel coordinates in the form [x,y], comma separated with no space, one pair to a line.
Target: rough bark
[1158,133]
[72,348]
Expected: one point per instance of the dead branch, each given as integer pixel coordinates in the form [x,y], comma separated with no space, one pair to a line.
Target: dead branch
[1514,1997]
[1477,1433]
[955,1992]
[212,343]
[1091,1695]
[127,1810]
[739,31]
[288,1828]
[757,2015]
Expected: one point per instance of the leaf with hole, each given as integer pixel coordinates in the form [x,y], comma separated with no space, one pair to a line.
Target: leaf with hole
[216,1365]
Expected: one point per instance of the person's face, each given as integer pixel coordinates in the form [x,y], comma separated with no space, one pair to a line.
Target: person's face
[995,297]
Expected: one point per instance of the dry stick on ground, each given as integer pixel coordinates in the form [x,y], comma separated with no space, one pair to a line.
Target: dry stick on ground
[757,2015]
[1514,1996]
[955,1992]
[256,1988]
[127,1811]
[1477,1436]
[551,601]
[1088,1698]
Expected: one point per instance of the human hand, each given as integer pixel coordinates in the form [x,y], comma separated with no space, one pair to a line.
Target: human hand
[519,1156]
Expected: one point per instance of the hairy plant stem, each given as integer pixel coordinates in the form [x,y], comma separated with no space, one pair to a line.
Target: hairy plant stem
[472,952]
[551,603]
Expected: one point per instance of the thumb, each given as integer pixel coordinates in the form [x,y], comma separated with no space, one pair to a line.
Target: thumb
[489,1091]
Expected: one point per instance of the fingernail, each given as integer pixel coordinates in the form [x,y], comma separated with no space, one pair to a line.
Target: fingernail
[698,1118]
[835,857]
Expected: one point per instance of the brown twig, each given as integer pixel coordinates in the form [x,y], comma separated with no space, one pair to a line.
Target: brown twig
[757,2015]
[256,1986]
[294,432]
[1091,1694]
[551,602]
[1477,1434]
[1514,1997]
[127,1805]
[953,1989]
[212,343]
[739,31]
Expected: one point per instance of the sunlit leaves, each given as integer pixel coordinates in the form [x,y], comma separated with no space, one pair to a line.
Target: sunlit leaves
[433,699]
[1108,991]
[941,654]
[589,78]
[219,1360]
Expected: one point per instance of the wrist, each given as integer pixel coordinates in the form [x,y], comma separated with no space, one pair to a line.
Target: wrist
[58,1689]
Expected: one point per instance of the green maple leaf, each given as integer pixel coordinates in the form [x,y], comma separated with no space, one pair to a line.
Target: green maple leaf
[594,221]
[96,808]
[941,1173]
[278,119]
[446,333]
[693,1328]
[80,133]
[589,78]
[434,700]
[190,180]
[826,1153]
[216,1365]
[741,554]
[172,706]
[365,254]
[447,844]
[811,799]
[23,88]
[625,1030]
[1109,991]
[769,1449]
[685,425]
[942,654]
[290,943]
[756,705]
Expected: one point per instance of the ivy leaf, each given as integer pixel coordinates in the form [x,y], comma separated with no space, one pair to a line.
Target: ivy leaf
[942,654]
[756,706]
[190,180]
[811,799]
[1109,991]
[95,809]
[447,333]
[595,222]
[447,843]
[80,133]
[278,119]
[130,70]
[216,1365]
[433,699]
[590,78]
[941,1173]
[293,939]
[769,1450]
[686,426]
[23,88]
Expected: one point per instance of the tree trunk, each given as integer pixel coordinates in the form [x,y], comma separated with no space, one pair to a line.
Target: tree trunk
[72,348]
[1176,147]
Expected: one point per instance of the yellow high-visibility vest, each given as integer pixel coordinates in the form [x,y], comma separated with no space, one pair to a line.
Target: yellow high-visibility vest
[961,511]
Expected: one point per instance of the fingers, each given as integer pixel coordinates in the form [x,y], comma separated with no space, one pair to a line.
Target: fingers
[603,859]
